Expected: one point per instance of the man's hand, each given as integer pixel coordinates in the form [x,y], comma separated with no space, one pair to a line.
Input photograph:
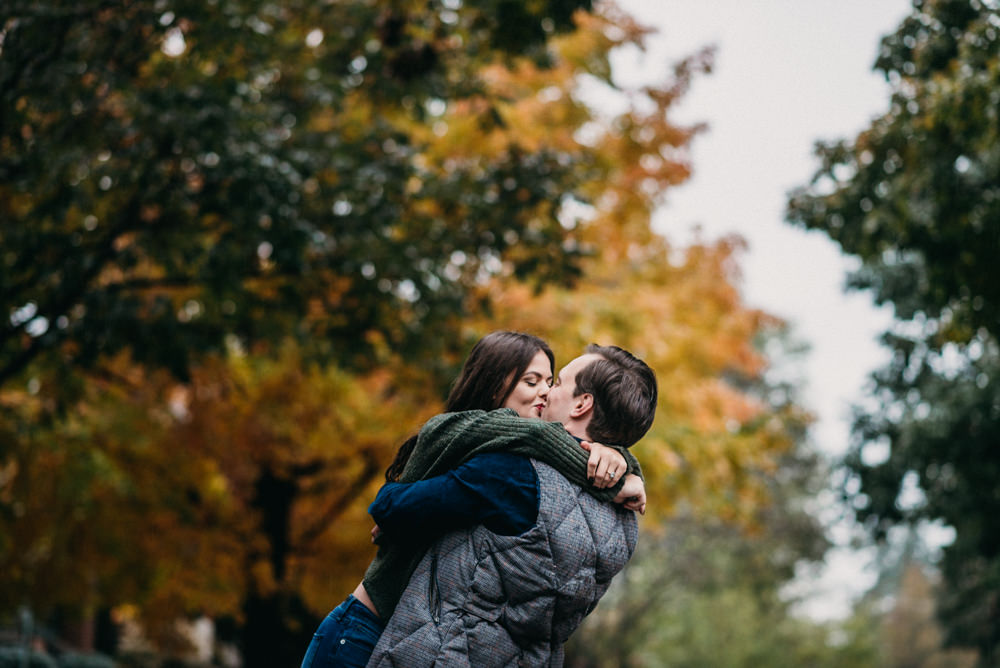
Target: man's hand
[633,494]
[605,466]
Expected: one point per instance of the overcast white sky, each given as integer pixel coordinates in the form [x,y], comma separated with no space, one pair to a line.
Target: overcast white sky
[787,73]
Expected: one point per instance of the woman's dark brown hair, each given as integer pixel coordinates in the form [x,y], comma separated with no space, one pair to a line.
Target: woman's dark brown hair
[489,375]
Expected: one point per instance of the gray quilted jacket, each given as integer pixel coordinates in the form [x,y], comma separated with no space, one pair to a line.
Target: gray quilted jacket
[478,599]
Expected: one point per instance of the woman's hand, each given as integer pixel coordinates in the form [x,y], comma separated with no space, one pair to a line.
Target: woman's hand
[605,466]
[633,494]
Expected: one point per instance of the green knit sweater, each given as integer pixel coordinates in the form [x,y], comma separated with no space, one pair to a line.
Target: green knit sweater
[449,439]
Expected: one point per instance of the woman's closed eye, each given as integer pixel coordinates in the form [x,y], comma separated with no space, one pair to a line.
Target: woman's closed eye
[531,380]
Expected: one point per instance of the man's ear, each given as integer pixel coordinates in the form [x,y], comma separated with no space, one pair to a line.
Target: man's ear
[582,405]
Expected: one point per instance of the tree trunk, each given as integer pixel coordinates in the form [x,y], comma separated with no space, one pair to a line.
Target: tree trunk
[277,626]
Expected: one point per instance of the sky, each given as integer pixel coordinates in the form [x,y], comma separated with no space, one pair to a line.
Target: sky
[787,74]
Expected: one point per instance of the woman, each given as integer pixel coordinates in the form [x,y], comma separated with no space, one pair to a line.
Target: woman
[504,370]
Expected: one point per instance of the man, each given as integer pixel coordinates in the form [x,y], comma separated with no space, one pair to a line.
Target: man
[511,591]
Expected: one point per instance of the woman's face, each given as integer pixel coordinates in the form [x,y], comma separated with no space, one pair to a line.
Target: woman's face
[532,388]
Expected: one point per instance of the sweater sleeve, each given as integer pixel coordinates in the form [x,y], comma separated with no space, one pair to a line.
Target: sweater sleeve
[497,490]
[449,439]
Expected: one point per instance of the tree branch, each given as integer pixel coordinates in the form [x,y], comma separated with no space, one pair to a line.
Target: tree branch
[368,473]
[151,283]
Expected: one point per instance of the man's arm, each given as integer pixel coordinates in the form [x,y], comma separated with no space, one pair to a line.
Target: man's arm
[497,490]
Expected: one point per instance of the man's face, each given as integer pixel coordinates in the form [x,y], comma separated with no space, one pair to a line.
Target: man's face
[561,395]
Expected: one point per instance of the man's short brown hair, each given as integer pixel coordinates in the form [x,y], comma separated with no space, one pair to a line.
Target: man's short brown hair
[624,391]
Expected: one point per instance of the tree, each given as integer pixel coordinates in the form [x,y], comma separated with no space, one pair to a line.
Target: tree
[715,440]
[911,635]
[231,495]
[173,177]
[914,197]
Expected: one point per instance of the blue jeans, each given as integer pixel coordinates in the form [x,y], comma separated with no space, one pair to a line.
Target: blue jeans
[346,638]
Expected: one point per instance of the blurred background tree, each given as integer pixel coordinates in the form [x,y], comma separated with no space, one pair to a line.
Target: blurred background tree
[256,170]
[912,634]
[915,197]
